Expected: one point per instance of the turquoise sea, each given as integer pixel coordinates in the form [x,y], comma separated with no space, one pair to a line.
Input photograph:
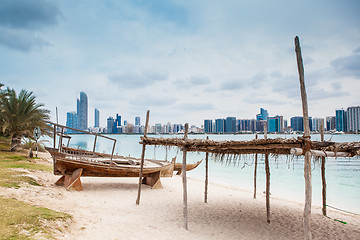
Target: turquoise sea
[286,172]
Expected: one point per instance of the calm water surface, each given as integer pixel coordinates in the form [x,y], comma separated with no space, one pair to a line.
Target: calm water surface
[287,180]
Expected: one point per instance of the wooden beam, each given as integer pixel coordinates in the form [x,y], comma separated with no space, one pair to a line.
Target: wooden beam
[185,210]
[317,153]
[142,159]
[307,161]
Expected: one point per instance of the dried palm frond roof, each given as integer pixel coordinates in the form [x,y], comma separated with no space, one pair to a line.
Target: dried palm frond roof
[262,146]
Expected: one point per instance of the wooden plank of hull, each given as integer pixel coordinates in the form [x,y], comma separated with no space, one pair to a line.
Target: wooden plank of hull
[90,169]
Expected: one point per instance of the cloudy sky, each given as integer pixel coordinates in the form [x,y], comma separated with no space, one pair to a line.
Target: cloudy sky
[186,61]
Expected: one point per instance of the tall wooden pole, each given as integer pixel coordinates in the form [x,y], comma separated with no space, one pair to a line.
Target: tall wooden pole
[142,158]
[206,173]
[255,170]
[267,171]
[185,211]
[307,144]
[323,172]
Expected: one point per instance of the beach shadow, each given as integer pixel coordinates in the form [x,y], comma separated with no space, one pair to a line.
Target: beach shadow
[105,186]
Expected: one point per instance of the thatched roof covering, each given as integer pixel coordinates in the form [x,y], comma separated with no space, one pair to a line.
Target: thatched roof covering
[261,146]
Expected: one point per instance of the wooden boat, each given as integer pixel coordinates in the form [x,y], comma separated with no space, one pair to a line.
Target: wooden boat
[73,163]
[92,164]
[189,167]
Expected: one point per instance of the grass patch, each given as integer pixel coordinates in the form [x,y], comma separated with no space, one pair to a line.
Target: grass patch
[11,162]
[20,220]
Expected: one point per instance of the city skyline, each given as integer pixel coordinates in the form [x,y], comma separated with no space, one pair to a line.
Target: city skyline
[183,61]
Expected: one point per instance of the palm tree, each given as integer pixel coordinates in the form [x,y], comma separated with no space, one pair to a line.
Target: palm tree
[20,114]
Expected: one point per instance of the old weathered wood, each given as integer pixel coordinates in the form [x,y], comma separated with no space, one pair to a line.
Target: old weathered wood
[206,174]
[307,161]
[317,153]
[267,170]
[265,130]
[142,158]
[255,170]
[61,137]
[323,179]
[71,182]
[95,143]
[153,180]
[185,210]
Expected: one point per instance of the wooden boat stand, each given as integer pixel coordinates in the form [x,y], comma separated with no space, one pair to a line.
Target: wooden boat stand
[73,182]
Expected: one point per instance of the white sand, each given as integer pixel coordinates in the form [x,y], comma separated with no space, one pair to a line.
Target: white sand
[106,209]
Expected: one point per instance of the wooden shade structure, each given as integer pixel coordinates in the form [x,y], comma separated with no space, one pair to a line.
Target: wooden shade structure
[294,146]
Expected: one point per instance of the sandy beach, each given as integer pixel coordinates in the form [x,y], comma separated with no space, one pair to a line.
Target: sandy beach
[106,209]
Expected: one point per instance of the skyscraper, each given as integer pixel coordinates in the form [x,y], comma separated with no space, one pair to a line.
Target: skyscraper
[137,121]
[263,115]
[275,124]
[97,118]
[230,125]
[82,111]
[340,119]
[353,119]
[71,121]
[330,123]
[297,123]
[110,125]
[219,125]
[208,126]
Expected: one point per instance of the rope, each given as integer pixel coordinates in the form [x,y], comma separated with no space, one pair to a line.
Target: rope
[343,210]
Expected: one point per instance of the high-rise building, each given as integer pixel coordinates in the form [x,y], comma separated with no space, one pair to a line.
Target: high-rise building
[340,119]
[330,123]
[82,111]
[208,126]
[219,125]
[316,123]
[110,125]
[230,125]
[353,119]
[297,123]
[263,115]
[137,121]
[97,118]
[275,124]
[71,121]
[158,128]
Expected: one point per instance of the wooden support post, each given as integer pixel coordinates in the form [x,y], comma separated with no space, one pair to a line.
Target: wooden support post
[54,137]
[265,130]
[185,211]
[307,160]
[61,138]
[206,173]
[112,152]
[142,158]
[323,172]
[95,142]
[255,170]
[267,170]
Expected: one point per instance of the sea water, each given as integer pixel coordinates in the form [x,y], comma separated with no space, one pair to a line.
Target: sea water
[286,172]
